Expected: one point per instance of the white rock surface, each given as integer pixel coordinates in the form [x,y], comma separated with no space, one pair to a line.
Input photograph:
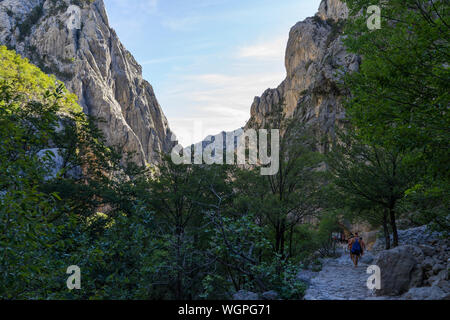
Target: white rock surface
[94,65]
[314,55]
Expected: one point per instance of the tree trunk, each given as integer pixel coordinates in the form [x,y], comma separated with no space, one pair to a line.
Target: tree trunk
[282,241]
[277,239]
[179,272]
[179,259]
[394,227]
[387,238]
[290,240]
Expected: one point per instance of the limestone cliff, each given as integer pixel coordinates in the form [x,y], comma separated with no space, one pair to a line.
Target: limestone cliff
[90,59]
[315,59]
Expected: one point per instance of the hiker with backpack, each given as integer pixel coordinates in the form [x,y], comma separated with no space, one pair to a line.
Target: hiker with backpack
[349,245]
[356,245]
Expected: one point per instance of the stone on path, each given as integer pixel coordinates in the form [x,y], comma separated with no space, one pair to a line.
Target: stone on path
[340,280]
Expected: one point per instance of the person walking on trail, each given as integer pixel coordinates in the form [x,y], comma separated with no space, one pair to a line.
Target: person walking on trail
[349,245]
[363,246]
[357,246]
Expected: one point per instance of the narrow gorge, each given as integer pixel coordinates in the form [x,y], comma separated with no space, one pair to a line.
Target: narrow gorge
[363,117]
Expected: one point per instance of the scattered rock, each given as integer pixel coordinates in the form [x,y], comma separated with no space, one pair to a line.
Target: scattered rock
[306,276]
[426,293]
[270,295]
[339,280]
[427,264]
[245,295]
[414,236]
[442,275]
[443,284]
[427,250]
[413,272]
[437,268]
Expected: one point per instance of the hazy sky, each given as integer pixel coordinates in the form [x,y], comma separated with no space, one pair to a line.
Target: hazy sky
[208,59]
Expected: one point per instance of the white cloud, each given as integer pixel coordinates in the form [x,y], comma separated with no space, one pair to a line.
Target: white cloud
[208,103]
[181,24]
[272,49]
[215,102]
[147,6]
[159,60]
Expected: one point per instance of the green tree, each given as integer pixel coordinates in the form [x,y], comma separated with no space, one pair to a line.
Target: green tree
[51,182]
[291,196]
[370,176]
[399,98]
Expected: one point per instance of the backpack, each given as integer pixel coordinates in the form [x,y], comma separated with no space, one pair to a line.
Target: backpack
[356,246]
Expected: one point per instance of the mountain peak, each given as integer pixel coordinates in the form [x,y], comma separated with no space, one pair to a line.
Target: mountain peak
[315,57]
[332,9]
[92,62]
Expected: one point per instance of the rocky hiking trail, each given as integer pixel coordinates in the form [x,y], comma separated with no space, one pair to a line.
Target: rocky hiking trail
[338,280]
[418,269]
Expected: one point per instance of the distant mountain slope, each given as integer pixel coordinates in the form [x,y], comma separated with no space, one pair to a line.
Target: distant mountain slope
[94,65]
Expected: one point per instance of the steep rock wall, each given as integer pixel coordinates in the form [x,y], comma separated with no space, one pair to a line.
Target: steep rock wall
[94,65]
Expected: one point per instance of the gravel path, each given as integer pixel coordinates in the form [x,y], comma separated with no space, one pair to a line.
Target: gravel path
[339,280]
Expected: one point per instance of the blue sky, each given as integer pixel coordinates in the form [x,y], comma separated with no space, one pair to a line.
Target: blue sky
[208,59]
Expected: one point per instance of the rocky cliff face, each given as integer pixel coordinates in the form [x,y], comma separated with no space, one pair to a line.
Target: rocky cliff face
[89,58]
[315,59]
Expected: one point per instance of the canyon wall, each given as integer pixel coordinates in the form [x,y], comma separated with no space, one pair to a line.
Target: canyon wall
[90,59]
[315,60]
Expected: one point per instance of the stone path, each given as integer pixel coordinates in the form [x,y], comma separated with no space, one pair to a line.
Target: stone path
[340,280]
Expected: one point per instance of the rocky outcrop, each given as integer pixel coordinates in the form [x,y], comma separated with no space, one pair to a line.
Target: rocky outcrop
[412,236]
[400,270]
[419,270]
[315,60]
[89,58]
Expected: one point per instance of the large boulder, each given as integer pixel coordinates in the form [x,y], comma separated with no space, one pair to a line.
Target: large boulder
[245,295]
[400,270]
[426,293]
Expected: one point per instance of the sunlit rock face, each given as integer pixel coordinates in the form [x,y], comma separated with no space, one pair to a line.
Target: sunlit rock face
[315,60]
[81,49]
